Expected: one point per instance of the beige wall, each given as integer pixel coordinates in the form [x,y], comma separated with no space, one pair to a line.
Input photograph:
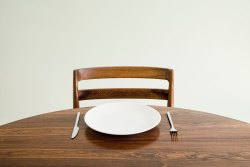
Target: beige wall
[206,42]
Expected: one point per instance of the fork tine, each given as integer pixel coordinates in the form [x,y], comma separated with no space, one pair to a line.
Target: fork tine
[174,136]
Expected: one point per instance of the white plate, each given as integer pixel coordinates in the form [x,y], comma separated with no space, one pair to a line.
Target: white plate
[122,118]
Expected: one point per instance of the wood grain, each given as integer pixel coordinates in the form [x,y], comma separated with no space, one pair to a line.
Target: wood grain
[203,140]
[123,72]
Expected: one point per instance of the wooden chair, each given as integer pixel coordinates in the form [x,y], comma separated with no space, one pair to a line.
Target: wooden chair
[117,93]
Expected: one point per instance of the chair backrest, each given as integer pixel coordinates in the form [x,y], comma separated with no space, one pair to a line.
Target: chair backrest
[117,93]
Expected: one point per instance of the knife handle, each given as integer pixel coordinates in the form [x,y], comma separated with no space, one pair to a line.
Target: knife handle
[77,118]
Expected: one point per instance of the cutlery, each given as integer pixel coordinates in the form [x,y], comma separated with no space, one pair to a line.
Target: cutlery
[76,128]
[172,128]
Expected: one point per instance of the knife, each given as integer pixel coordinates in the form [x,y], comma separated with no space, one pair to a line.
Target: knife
[76,128]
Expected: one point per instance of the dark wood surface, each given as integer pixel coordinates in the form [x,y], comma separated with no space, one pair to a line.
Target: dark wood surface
[166,93]
[203,140]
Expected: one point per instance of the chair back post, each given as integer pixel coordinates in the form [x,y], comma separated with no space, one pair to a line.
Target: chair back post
[75,89]
[171,89]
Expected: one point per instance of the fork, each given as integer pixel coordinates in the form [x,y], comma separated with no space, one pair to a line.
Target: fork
[172,128]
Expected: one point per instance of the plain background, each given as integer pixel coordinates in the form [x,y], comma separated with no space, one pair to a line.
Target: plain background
[206,42]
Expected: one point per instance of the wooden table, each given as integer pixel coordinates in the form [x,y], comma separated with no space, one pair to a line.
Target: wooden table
[203,140]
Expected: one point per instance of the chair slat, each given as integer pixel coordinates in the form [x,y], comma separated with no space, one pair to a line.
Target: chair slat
[117,93]
[122,72]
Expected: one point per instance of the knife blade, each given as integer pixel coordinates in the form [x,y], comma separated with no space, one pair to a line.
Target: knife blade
[76,128]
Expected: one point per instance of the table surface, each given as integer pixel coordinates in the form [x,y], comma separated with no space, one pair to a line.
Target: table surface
[203,140]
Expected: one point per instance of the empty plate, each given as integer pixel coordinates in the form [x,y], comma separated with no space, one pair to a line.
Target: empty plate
[122,118]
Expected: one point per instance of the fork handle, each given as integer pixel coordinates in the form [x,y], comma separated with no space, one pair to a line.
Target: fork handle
[170,119]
